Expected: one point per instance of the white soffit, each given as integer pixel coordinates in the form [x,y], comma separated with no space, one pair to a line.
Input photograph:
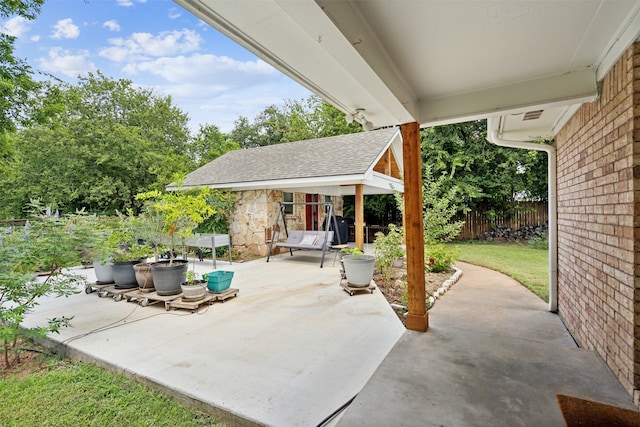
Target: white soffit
[435,62]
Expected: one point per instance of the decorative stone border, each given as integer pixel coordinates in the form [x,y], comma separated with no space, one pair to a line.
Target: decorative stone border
[438,293]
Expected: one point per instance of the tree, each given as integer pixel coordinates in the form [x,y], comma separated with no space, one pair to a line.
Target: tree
[209,144]
[17,84]
[46,244]
[485,174]
[294,121]
[124,140]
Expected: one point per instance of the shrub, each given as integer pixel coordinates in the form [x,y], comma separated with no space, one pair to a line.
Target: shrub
[439,257]
[541,242]
[388,248]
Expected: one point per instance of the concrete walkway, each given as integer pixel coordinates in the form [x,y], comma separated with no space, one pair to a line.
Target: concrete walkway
[493,356]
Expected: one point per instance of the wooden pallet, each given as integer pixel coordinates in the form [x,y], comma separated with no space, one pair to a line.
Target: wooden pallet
[351,290]
[111,291]
[224,295]
[191,305]
[150,298]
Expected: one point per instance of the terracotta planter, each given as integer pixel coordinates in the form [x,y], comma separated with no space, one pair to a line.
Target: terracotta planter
[144,277]
[167,278]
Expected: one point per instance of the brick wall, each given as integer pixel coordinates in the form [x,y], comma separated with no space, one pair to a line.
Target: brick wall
[598,220]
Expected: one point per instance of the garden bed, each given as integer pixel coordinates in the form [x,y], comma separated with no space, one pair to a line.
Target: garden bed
[394,289]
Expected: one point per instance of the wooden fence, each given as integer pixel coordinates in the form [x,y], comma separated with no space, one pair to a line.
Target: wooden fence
[477,222]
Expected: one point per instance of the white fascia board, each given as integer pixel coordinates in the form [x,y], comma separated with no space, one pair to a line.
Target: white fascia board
[629,34]
[383,181]
[568,88]
[291,183]
[298,38]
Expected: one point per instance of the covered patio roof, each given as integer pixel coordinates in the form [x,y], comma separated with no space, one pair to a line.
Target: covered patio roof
[331,166]
[531,63]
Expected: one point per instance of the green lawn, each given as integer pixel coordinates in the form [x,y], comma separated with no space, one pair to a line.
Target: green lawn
[76,394]
[527,265]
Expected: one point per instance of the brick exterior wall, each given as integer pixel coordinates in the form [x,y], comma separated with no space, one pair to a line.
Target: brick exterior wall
[599,222]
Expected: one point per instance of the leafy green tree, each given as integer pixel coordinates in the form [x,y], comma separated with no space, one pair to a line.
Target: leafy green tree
[486,175]
[46,244]
[294,121]
[15,74]
[97,145]
[209,144]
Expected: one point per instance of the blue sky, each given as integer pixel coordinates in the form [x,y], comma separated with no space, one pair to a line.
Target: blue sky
[155,44]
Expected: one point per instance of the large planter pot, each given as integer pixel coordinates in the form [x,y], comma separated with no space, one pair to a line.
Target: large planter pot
[359,269]
[167,278]
[144,277]
[194,292]
[104,272]
[124,275]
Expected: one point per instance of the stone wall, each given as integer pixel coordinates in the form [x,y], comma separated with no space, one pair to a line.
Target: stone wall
[598,218]
[255,214]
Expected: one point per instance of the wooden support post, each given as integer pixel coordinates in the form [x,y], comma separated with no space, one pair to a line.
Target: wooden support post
[417,318]
[359,225]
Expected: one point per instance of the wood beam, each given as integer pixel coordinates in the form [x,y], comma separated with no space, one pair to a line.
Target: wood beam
[359,224]
[417,318]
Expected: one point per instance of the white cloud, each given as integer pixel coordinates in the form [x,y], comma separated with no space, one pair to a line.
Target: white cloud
[146,44]
[218,72]
[65,29]
[63,62]
[15,26]
[128,3]
[112,25]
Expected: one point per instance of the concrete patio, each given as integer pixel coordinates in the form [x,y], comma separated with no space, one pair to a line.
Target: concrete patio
[293,347]
[288,351]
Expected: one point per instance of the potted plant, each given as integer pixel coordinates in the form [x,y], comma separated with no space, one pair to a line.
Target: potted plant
[358,267]
[179,213]
[126,252]
[193,289]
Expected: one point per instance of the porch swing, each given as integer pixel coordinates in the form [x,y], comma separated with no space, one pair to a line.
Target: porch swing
[315,240]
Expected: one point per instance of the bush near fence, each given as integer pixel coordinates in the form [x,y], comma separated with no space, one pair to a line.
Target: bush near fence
[479,222]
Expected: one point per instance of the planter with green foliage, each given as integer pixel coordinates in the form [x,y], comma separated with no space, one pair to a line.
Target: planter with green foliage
[177,214]
[193,289]
[122,247]
[144,276]
[358,267]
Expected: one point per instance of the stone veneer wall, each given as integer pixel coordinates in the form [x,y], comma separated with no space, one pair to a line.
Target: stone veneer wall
[256,211]
[598,222]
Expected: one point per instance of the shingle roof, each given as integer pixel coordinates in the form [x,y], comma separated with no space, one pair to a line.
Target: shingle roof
[350,154]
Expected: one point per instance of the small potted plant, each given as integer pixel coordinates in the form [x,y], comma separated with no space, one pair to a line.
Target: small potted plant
[193,289]
[358,267]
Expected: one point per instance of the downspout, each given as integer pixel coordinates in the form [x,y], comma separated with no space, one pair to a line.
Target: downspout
[494,138]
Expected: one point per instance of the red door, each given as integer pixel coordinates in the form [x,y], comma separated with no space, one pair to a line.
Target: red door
[311,212]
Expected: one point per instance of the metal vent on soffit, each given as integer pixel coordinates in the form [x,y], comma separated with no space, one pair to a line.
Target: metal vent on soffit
[532,115]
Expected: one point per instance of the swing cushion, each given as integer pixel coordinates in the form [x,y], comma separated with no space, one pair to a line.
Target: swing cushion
[306,239]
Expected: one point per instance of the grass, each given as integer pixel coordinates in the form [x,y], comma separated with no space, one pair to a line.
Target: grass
[76,394]
[524,263]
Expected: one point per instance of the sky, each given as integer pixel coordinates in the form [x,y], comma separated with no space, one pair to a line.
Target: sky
[156,44]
